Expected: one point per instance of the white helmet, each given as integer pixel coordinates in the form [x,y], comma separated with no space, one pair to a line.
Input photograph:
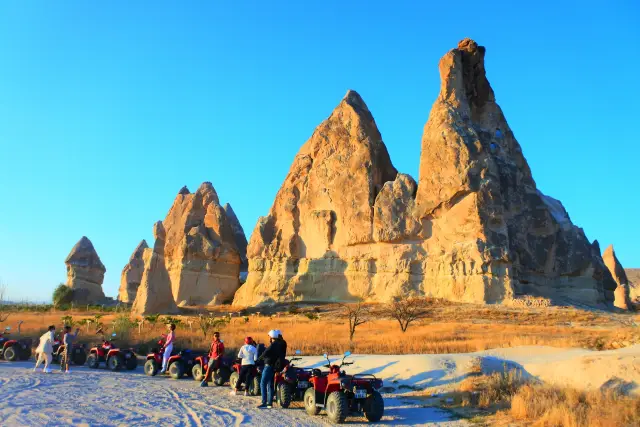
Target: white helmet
[274,333]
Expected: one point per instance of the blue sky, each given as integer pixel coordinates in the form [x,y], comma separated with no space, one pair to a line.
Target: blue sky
[108,109]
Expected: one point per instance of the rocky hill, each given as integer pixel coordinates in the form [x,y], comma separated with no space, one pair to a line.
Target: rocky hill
[346,225]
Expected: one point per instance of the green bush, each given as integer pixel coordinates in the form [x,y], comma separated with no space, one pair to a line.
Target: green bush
[62,295]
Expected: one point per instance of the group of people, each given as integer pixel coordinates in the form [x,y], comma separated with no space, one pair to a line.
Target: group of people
[250,354]
[44,351]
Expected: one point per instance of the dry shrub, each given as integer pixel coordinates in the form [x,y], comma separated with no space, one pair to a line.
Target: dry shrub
[565,407]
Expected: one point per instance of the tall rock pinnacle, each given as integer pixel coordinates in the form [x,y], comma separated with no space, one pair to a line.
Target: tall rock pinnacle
[85,272]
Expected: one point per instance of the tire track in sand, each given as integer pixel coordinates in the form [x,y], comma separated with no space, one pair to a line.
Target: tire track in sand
[192,416]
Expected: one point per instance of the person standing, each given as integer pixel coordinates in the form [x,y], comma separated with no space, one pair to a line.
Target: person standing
[247,354]
[168,347]
[216,351]
[67,340]
[45,348]
[271,356]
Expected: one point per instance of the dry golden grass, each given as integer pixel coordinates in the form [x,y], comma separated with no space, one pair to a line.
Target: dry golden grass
[506,399]
[552,406]
[449,328]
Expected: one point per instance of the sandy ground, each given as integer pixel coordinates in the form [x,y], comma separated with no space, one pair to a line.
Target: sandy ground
[101,398]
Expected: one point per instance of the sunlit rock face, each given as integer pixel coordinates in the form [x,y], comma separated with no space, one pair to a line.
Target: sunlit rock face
[346,225]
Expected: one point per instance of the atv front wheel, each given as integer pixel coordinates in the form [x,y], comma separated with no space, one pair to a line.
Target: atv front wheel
[284,395]
[254,387]
[233,380]
[151,368]
[114,363]
[176,370]
[374,407]
[11,354]
[92,361]
[310,402]
[196,372]
[221,376]
[337,407]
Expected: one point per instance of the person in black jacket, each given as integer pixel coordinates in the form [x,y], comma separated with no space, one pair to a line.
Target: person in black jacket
[273,357]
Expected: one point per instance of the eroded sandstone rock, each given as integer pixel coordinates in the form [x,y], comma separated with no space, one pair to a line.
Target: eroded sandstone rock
[85,273]
[238,235]
[154,293]
[346,225]
[619,275]
[633,274]
[132,274]
[200,253]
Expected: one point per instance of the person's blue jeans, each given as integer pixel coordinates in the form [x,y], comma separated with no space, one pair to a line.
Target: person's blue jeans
[266,385]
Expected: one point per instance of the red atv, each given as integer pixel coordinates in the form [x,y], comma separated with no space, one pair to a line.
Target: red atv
[178,364]
[338,393]
[114,357]
[291,383]
[256,374]
[78,352]
[13,350]
[220,375]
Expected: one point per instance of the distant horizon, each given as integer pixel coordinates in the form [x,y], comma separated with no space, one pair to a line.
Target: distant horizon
[105,113]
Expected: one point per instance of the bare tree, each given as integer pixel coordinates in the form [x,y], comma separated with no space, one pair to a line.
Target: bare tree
[357,314]
[4,310]
[406,309]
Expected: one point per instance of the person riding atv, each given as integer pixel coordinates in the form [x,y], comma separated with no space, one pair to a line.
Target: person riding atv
[217,366]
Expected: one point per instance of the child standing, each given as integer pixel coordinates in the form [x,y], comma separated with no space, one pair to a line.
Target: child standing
[68,344]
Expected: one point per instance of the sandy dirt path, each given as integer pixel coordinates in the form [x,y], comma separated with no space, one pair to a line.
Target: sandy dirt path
[101,398]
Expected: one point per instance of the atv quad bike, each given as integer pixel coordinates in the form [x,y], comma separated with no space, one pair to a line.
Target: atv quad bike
[178,365]
[221,374]
[253,388]
[340,394]
[291,383]
[78,353]
[13,350]
[114,357]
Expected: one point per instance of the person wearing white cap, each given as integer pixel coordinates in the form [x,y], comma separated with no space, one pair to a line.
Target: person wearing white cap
[272,356]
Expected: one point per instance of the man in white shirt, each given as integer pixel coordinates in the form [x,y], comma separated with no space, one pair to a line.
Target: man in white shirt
[45,348]
[248,355]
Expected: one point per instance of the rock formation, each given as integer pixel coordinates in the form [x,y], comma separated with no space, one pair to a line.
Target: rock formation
[615,268]
[633,274]
[239,236]
[85,273]
[490,233]
[132,275]
[199,255]
[346,225]
[154,293]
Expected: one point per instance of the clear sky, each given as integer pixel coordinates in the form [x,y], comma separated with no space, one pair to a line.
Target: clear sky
[108,108]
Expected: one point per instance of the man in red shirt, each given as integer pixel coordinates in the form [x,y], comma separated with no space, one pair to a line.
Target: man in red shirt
[216,351]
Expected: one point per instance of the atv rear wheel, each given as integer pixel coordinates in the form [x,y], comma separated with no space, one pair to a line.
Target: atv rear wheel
[176,370]
[254,387]
[233,380]
[284,395]
[25,354]
[337,407]
[11,354]
[114,363]
[196,372]
[310,402]
[221,376]
[374,407]
[131,363]
[92,361]
[79,357]
[151,368]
